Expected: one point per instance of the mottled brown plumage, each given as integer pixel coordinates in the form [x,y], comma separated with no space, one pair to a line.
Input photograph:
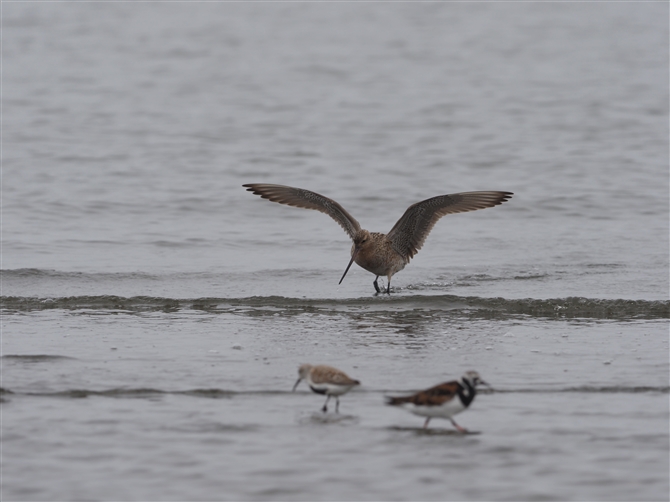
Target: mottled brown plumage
[383,254]
[434,396]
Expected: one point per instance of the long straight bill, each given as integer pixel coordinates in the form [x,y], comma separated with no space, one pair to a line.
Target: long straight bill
[353,256]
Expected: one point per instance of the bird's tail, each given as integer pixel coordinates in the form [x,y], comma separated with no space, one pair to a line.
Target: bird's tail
[395,401]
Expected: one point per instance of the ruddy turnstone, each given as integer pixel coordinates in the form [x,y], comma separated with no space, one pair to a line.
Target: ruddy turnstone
[326,380]
[444,400]
[383,254]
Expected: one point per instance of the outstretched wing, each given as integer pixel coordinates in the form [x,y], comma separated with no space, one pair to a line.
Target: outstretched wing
[410,232]
[299,197]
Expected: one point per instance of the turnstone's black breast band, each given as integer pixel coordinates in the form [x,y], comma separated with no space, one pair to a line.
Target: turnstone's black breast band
[466,397]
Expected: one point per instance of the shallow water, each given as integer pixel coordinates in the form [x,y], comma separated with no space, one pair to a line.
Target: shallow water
[155,313]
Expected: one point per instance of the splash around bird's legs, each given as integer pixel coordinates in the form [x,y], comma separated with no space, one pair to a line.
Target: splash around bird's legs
[376,285]
[381,290]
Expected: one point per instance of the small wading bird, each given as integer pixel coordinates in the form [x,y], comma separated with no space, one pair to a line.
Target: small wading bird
[443,401]
[326,380]
[383,254]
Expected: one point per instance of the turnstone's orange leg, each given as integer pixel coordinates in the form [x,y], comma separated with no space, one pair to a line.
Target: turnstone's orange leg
[458,427]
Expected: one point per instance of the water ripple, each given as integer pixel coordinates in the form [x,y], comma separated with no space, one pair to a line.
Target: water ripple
[561,308]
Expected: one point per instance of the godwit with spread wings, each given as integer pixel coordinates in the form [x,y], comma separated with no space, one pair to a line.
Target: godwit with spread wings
[383,254]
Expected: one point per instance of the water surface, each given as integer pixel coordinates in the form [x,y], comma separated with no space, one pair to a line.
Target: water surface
[155,313]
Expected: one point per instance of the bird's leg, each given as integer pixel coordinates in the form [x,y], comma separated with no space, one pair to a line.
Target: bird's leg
[376,285]
[388,288]
[425,424]
[337,404]
[325,405]
[458,427]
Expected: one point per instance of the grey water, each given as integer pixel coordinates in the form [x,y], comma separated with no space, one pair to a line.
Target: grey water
[154,313]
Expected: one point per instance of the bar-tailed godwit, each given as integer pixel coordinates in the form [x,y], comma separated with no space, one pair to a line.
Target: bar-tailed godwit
[326,380]
[383,254]
[444,400]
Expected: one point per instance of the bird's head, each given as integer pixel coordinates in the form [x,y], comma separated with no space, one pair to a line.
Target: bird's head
[473,378]
[361,239]
[303,371]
